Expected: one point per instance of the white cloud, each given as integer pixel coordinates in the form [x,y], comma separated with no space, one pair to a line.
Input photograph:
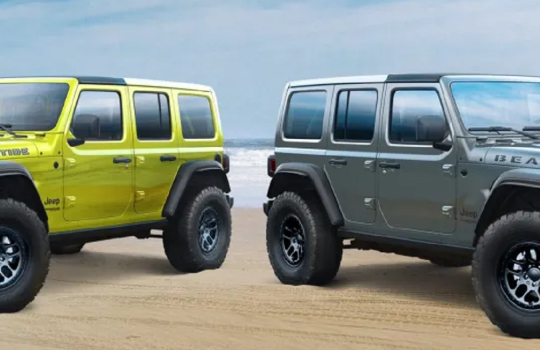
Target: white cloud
[247,50]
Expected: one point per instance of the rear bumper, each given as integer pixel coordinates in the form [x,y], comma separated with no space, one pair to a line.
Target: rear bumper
[230,200]
[267,205]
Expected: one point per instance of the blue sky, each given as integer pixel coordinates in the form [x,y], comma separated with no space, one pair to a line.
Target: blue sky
[247,50]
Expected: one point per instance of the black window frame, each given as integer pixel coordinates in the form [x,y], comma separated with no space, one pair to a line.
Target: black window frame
[335,116]
[119,93]
[159,94]
[212,116]
[391,111]
[288,107]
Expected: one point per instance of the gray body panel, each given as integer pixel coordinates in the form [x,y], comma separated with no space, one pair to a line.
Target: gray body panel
[435,197]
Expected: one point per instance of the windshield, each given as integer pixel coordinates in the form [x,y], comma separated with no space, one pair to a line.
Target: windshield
[31,106]
[507,104]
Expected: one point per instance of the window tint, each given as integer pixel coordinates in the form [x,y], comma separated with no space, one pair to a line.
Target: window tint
[105,108]
[196,117]
[152,116]
[407,106]
[32,106]
[305,115]
[355,115]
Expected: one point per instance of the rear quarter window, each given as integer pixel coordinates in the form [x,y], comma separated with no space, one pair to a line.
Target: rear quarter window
[196,117]
[304,118]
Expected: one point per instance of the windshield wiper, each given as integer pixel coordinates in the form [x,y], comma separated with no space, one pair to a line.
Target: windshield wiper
[6,128]
[504,128]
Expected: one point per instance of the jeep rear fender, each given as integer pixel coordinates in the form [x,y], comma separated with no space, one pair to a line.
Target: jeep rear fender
[316,177]
[209,171]
[17,182]
[498,195]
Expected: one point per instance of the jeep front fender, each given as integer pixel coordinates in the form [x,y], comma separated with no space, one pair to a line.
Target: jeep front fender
[496,196]
[188,172]
[29,193]
[316,176]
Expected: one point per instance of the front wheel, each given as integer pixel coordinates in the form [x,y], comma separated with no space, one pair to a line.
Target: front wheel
[199,236]
[506,274]
[302,245]
[24,255]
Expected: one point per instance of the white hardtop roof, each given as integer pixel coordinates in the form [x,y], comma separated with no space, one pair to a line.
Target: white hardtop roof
[341,80]
[167,84]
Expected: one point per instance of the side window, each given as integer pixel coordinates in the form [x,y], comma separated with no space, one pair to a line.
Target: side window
[407,106]
[196,117]
[98,116]
[152,116]
[305,115]
[355,115]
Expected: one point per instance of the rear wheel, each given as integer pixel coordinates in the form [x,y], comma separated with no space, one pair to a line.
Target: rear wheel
[506,274]
[24,255]
[58,249]
[302,245]
[199,236]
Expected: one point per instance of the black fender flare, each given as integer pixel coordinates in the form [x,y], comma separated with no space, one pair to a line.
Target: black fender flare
[319,180]
[185,174]
[523,177]
[11,168]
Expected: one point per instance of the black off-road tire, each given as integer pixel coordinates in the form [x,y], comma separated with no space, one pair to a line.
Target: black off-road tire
[500,236]
[450,262]
[181,237]
[26,226]
[59,249]
[323,249]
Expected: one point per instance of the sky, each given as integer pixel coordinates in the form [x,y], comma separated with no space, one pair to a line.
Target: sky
[247,50]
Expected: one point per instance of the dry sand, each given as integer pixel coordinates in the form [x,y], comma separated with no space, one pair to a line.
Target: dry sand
[123,294]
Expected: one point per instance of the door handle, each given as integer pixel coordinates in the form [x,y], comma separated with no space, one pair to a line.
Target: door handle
[390,165]
[167,158]
[121,160]
[338,161]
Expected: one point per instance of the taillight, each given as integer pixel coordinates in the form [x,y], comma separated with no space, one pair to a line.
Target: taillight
[226,163]
[271,165]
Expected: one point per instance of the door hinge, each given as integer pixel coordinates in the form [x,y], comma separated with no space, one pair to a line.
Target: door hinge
[369,203]
[69,201]
[69,163]
[448,169]
[369,165]
[139,195]
[448,210]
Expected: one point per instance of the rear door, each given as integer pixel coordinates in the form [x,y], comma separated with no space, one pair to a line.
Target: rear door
[352,151]
[157,157]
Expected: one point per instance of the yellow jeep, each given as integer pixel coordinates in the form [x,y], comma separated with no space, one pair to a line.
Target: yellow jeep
[85,159]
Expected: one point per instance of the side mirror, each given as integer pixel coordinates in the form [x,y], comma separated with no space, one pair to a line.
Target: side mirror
[430,128]
[85,126]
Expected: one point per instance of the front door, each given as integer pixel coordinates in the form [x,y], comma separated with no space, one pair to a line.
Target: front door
[352,151]
[98,178]
[416,182]
[156,147]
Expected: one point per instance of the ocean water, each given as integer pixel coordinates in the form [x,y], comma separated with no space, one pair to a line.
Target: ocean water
[247,177]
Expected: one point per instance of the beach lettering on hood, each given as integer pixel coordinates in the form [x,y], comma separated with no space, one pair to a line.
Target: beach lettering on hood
[515,159]
[15,152]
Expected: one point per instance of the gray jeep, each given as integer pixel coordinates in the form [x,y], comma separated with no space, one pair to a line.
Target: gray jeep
[443,167]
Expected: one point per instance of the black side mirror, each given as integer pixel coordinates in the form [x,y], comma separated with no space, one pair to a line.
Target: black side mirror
[84,127]
[430,128]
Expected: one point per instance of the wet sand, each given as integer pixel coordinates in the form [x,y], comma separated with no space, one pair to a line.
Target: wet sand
[123,294]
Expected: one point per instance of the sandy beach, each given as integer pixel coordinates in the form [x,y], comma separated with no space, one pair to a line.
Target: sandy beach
[123,294]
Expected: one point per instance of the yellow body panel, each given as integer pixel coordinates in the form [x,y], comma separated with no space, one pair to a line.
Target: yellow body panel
[81,188]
